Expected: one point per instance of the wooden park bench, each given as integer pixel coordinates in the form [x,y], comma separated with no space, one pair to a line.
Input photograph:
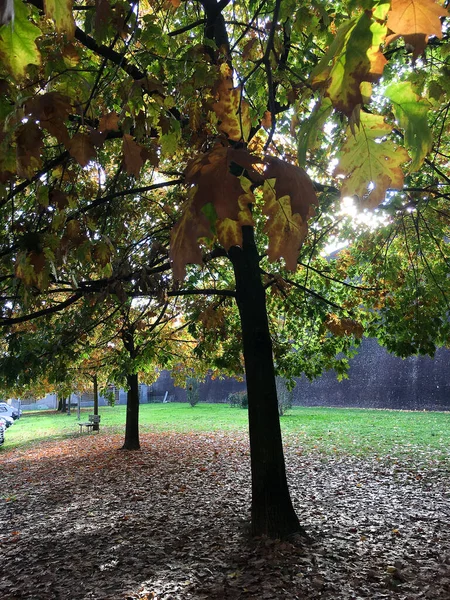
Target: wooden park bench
[89,425]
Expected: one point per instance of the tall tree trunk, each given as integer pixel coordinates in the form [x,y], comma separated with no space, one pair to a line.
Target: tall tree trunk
[96,426]
[272,511]
[132,424]
[62,404]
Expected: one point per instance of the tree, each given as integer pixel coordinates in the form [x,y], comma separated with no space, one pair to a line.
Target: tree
[231,99]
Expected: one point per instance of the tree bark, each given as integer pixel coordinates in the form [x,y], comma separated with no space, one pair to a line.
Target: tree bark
[272,511]
[62,404]
[132,423]
[96,426]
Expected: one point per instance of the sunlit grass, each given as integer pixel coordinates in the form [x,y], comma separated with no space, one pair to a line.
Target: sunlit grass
[327,430]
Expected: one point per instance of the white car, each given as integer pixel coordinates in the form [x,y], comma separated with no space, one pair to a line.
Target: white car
[6,410]
[6,421]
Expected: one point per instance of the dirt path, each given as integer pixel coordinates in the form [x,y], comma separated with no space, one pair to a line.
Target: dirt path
[80,519]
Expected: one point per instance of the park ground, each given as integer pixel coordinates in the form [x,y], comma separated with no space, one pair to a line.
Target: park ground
[81,519]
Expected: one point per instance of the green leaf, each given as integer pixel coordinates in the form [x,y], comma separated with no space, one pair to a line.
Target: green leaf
[411,112]
[356,58]
[310,128]
[369,163]
[17,42]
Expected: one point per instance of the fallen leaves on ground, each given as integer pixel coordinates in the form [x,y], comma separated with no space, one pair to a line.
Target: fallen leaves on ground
[81,519]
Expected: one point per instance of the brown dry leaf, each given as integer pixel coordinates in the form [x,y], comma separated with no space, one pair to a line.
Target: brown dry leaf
[286,231]
[184,245]
[215,183]
[294,182]
[103,17]
[28,150]
[266,121]
[289,200]
[250,49]
[109,122]
[81,148]
[52,110]
[132,155]
[58,198]
[218,200]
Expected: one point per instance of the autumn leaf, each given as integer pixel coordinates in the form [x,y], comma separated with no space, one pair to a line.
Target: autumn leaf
[213,209]
[411,112]
[58,198]
[132,155]
[415,21]
[81,148]
[28,150]
[289,200]
[286,231]
[355,58]
[215,166]
[102,253]
[51,110]
[185,236]
[18,47]
[370,164]
[61,13]
[266,121]
[231,109]
[410,17]
[343,326]
[30,268]
[109,122]
[292,181]
[8,161]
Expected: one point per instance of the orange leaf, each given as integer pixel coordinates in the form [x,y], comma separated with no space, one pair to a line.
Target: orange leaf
[410,17]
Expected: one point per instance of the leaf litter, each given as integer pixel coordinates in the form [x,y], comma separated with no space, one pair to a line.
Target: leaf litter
[80,519]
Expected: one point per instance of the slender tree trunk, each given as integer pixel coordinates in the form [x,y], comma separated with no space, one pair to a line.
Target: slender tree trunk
[132,423]
[96,426]
[272,511]
[62,404]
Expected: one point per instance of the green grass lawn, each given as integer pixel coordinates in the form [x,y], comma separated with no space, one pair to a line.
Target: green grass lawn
[327,430]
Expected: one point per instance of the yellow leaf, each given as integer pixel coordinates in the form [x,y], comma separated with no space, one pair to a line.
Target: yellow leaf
[286,231]
[61,13]
[232,110]
[229,233]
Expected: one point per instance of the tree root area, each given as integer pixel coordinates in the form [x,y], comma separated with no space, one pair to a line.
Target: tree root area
[80,519]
